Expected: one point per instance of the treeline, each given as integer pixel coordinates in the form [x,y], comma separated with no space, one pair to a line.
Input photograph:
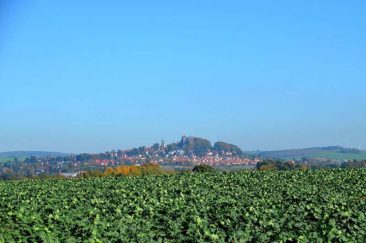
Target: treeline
[144,170]
[354,164]
[155,169]
[123,170]
[15,176]
[281,165]
[293,165]
[128,170]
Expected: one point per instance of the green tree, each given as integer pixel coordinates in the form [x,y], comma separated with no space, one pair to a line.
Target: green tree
[203,169]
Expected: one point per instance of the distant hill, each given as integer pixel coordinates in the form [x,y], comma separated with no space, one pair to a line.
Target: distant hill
[331,152]
[200,146]
[21,155]
[227,147]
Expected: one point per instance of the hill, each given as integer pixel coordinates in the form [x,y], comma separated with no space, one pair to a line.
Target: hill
[200,146]
[337,153]
[21,155]
[223,147]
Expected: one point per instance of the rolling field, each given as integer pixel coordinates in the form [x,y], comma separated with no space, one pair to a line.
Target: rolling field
[6,159]
[305,206]
[332,152]
[340,156]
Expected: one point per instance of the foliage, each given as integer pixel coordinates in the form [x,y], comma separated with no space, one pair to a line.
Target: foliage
[280,165]
[354,164]
[91,173]
[84,157]
[257,206]
[197,146]
[226,147]
[31,160]
[203,169]
[134,170]
[136,151]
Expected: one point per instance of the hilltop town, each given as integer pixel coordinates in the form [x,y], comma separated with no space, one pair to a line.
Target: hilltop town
[187,152]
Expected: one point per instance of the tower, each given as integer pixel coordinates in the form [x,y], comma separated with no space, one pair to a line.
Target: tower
[184,139]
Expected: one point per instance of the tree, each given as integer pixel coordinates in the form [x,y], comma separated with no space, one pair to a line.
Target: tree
[133,152]
[156,147]
[32,159]
[269,166]
[203,169]
[84,157]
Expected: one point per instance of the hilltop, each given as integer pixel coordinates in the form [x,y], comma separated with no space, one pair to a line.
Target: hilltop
[201,146]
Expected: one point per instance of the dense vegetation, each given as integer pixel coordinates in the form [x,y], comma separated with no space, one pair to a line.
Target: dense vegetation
[127,170]
[203,169]
[226,147]
[293,165]
[280,165]
[201,147]
[197,146]
[311,205]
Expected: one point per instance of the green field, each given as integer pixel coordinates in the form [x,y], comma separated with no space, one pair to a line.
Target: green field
[323,153]
[304,206]
[339,156]
[6,159]
[331,155]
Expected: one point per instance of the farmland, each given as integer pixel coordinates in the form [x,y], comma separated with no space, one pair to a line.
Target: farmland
[6,159]
[340,156]
[314,206]
[332,153]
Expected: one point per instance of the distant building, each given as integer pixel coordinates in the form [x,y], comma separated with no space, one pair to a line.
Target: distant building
[184,139]
[69,174]
[179,152]
[162,147]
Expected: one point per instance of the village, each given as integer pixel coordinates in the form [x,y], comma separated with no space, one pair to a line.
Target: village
[186,153]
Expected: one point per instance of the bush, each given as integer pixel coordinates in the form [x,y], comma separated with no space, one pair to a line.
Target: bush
[203,169]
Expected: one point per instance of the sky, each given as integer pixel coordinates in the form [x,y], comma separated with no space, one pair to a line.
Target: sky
[92,76]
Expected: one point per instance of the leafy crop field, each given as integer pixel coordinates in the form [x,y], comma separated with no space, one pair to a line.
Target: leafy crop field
[305,206]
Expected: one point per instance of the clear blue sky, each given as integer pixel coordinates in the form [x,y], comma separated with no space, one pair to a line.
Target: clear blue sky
[91,76]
